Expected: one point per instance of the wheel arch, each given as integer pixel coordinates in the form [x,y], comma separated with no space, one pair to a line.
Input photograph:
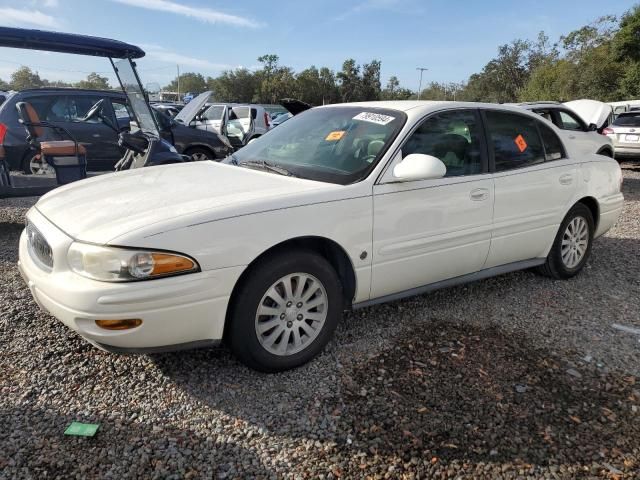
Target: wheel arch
[592,204]
[329,249]
[606,151]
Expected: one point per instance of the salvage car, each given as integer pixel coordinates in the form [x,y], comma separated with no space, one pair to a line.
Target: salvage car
[239,123]
[625,134]
[68,107]
[581,121]
[341,207]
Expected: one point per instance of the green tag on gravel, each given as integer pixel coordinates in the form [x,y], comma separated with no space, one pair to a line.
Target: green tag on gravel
[82,429]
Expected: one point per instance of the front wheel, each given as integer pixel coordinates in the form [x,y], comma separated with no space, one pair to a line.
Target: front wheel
[199,154]
[572,245]
[286,311]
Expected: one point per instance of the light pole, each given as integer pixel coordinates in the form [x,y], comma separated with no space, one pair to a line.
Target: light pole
[422,69]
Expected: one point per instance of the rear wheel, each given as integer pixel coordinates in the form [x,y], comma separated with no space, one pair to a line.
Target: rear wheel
[34,164]
[198,154]
[286,311]
[572,246]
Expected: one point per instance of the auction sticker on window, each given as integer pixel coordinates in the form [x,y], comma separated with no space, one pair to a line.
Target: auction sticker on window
[335,136]
[378,118]
[521,143]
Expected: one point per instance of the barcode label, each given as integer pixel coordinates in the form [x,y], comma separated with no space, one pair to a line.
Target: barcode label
[378,118]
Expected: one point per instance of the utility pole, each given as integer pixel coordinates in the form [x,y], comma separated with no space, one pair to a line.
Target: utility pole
[178,67]
[422,69]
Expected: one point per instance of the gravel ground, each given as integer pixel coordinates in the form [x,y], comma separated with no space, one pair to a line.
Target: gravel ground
[513,377]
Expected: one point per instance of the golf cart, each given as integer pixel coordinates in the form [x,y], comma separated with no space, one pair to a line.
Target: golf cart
[143,144]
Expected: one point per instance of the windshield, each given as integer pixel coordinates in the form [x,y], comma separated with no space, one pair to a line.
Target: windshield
[627,121]
[330,144]
[131,85]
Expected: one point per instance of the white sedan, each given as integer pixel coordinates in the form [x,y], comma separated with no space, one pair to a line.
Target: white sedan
[341,207]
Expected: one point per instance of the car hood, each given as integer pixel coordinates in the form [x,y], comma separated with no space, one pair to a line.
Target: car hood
[191,109]
[591,111]
[161,198]
[295,106]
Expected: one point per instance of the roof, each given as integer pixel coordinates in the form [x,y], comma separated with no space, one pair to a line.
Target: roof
[67,43]
[71,89]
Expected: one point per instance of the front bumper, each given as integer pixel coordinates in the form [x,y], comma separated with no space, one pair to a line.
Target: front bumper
[177,312]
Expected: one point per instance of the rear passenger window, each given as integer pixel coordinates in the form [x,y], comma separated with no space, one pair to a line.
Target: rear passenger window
[514,140]
[553,149]
[453,137]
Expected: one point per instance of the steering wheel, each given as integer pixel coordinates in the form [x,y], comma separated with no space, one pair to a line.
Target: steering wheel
[95,111]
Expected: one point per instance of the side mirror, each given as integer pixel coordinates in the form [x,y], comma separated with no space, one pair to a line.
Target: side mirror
[592,127]
[417,166]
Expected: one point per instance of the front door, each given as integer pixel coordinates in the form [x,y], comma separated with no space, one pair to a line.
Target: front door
[432,230]
[534,185]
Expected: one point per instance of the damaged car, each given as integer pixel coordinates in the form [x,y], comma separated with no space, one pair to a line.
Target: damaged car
[580,121]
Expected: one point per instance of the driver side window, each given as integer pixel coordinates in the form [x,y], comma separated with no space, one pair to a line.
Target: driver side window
[453,137]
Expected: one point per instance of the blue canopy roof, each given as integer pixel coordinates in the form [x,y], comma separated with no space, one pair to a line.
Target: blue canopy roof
[67,43]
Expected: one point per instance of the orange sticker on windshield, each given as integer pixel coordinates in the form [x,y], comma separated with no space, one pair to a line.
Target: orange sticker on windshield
[335,136]
[521,143]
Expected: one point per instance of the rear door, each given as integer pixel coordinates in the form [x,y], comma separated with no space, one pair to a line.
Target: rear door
[534,185]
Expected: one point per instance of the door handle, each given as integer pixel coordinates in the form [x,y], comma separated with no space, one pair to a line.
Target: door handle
[479,194]
[572,137]
[566,179]
[96,135]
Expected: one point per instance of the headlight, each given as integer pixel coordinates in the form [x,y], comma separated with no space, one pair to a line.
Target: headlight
[109,264]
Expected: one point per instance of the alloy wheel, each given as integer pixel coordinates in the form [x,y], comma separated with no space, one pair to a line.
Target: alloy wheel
[38,166]
[575,242]
[199,156]
[291,314]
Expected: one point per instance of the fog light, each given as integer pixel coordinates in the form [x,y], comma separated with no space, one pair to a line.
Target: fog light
[125,324]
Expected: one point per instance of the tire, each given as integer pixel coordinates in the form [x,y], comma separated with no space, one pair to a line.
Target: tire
[30,165]
[198,154]
[258,339]
[581,220]
[606,152]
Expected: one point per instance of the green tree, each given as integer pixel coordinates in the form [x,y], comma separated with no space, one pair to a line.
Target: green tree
[189,82]
[555,81]
[330,90]
[24,78]
[626,42]
[309,86]
[370,81]
[349,81]
[94,81]
[238,85]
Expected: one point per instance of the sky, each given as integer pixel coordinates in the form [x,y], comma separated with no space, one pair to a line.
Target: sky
[453,39]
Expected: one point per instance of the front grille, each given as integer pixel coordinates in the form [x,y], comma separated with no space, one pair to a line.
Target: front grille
[38,247]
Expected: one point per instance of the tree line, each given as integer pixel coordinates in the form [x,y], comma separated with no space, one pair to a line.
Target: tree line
[600,61]
[24,78]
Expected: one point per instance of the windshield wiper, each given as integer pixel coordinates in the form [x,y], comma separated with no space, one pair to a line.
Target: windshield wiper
[267,166]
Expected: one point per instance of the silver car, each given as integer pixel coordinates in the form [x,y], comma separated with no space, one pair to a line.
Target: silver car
[624,131]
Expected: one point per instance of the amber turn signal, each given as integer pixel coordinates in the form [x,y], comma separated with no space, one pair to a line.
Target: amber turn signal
[124,324]
[164,264]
